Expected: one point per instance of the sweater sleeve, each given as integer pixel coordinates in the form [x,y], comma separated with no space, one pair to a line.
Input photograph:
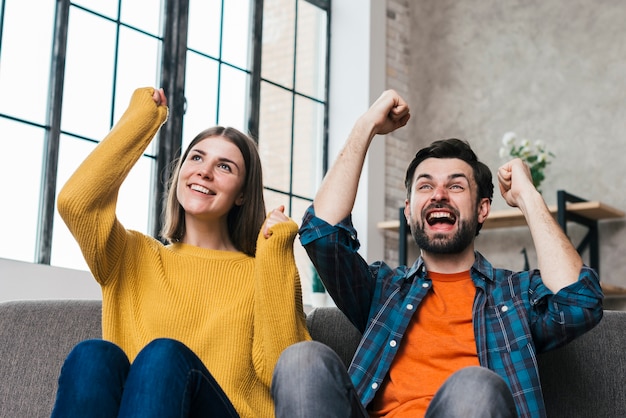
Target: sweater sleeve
[87,202]
[279,318]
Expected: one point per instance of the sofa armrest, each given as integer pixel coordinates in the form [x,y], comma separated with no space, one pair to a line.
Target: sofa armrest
[330,326]
[586,377]
[36,336]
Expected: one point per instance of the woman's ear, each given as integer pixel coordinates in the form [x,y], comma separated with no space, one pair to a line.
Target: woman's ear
[239,201]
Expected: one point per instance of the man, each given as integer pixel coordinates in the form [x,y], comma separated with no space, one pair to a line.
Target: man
[451,336]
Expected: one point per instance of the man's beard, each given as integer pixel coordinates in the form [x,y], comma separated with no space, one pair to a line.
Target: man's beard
[440,243]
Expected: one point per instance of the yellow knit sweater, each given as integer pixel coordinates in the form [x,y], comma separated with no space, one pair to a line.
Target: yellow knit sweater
[236,312]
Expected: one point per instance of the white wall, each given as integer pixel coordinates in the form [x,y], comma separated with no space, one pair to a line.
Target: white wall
[357,77]
[20,280]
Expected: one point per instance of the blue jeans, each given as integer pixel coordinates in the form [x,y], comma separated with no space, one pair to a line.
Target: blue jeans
[166,380]
[310,380]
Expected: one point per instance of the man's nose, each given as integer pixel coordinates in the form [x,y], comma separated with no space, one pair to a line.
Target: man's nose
[439,193]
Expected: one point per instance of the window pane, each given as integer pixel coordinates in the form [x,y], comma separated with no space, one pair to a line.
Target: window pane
[25,57]
[273,199]
[201,96]
[278,41]
[237,32]
[21,151]
[144,14]
[138,66]
[311,50]
[204,27]
[305,267]
[275,136]
[107,8]
[308,140]
[233,98]
[88,75]
[135,198]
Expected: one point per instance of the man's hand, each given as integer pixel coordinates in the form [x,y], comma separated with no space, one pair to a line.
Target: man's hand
[336,196]
[514,180]
[388,113]
[558,260]
[276,216]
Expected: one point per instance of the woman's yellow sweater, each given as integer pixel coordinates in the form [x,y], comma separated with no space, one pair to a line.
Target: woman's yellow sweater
[236,312]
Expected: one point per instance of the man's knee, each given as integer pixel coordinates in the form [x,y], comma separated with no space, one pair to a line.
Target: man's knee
[472,392]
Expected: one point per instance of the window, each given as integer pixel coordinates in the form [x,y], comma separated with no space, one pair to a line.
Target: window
[260,66]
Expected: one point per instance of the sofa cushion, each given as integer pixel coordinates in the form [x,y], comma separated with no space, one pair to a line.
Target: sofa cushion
[586,377]
[36,336]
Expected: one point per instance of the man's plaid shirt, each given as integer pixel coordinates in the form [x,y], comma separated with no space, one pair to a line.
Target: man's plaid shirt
[515,315]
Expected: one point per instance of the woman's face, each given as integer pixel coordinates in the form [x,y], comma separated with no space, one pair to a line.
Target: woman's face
[211,179]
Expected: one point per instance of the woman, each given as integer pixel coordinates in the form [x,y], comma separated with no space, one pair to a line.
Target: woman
[193,328]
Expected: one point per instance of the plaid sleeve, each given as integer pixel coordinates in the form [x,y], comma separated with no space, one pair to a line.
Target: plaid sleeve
[333,250]
[559,318]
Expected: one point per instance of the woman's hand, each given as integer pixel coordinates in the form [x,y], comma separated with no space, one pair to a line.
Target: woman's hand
[159,97]
[276,216]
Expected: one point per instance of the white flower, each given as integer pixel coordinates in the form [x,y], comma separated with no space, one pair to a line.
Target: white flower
[534,154]
[508,139]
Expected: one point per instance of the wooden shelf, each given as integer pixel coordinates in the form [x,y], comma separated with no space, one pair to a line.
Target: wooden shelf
[513,217]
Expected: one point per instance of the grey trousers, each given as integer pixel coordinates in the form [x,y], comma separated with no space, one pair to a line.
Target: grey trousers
[310,380]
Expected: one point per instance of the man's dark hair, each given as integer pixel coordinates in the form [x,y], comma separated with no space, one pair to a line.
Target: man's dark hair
[453,148]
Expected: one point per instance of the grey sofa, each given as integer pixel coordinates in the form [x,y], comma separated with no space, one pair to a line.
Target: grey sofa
[584,379]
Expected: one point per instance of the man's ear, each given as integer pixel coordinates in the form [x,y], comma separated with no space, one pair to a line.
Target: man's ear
[407,211]
[484,207]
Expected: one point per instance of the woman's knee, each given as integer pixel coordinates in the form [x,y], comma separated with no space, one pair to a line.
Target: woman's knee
[94,356]
[167,358]
[93,366]
[164,349]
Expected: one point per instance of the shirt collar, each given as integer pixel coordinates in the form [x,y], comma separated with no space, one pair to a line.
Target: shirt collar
[481,267]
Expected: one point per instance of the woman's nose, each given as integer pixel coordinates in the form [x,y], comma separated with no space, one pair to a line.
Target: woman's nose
[205,171]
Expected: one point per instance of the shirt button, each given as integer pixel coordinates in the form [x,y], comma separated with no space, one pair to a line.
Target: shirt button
[374,386]
[424,284]
[409,307]
[504,308]
[393,343]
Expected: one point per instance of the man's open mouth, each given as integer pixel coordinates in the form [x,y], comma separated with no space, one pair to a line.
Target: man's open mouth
[436,217]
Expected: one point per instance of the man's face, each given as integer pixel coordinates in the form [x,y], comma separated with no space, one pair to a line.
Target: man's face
[443,211]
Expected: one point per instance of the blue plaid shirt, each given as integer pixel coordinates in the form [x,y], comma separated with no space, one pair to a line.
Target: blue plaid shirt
[515,315]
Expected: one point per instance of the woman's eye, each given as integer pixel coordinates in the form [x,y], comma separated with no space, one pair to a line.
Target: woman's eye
[195,158]
[224,166]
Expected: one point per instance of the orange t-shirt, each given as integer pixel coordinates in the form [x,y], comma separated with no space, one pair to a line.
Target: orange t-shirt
[438,341]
